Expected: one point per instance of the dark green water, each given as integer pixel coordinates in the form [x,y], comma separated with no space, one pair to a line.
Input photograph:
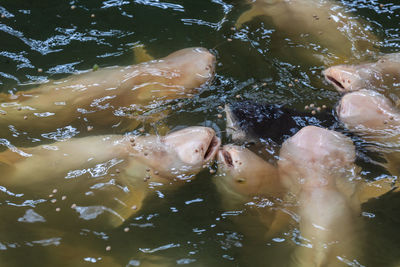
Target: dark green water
[51,36]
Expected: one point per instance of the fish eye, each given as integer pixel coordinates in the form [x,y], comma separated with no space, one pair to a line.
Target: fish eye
[241,180]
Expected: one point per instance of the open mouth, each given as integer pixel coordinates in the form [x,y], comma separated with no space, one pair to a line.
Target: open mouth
[226,157]
[212,148]
[335,82]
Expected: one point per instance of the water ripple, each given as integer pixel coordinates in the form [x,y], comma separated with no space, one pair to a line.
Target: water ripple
[165,247]
[31,217]
[163,5]
[64,68]
[19,58]
[5,13]
[213,25]
[114,3]
[61,134]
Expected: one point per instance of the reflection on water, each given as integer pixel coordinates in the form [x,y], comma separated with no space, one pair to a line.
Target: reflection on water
[48,40]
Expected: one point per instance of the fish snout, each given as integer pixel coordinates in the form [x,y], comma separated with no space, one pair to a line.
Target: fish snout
[229,156]
[195,145]
[343,78]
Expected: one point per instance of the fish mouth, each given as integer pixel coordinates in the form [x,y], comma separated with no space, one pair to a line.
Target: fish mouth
[225,158]
[212,149]
[211,69]
[335,83]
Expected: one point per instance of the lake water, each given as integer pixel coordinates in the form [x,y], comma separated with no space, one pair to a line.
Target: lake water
[45,39]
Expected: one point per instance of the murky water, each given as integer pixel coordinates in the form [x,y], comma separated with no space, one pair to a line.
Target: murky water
[42,40]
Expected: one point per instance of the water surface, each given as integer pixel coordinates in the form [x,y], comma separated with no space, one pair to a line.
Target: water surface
[47,40]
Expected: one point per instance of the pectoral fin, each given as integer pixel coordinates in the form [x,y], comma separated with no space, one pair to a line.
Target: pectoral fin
[392,164]
[154,120]
[279,223]
[248,15]
[376,188]
[141,55]
[5,168]
[8,161]
[4,97]
[127,205]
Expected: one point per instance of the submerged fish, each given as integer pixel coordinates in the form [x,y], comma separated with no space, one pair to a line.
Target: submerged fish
[108,175]
[314,30]
[381,75]
[109,97]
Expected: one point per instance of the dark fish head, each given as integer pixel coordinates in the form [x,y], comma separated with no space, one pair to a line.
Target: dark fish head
[234,128]
[249,121]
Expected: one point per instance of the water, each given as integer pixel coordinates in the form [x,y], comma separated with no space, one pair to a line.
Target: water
[188,226]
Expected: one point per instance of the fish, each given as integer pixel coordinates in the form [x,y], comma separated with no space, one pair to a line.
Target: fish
[108,98]
[107,177]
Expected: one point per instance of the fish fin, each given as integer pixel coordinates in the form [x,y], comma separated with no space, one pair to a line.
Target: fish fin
[5,159]
[279,223]
[141,55]
[249,15]
[159,128]
[392,164]
[8,160]
[4,97]
[127,205]
[130,125]
[5,166]
[375,189]
[154,120]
